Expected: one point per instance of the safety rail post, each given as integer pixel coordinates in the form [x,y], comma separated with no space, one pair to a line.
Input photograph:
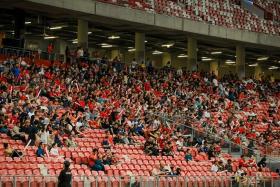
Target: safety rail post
[96,182]
[14,181]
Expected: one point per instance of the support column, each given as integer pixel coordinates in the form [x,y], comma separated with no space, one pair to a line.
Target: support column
[192,54]
[19,28]
[166,57]
[115,53]
[214,67]
[60,49]
[240,61]
[83,33]
[258,72]
[139,47]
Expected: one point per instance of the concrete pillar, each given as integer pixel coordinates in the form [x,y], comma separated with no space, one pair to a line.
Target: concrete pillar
[82,33]
[166,57]
[258,72]
[192,54]
[115,53]
[139,47]
[240,61]
[19,26]
[2,36]
[60,47]
[214,67]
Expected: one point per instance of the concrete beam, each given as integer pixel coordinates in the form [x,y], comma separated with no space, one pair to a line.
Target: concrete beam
[85,6]
[124,13]
[169,22]
[139,17]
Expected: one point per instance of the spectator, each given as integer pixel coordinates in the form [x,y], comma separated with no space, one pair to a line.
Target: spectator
[228,166]
[40,151]
[188,156]
[215,167]
[9,152]
[98,164]
[54,151]
[262,162]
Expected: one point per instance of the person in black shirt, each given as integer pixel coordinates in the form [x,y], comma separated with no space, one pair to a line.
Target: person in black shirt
[65,176]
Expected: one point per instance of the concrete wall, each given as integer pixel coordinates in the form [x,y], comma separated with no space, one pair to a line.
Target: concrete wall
[159,21]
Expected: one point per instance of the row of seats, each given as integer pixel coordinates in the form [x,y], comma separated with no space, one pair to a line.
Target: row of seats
[217,12]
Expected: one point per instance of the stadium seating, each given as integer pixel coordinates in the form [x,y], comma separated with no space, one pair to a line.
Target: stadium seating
[225,13]
[131,159]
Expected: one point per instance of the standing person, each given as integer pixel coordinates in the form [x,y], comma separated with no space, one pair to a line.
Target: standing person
[65,176]
[67,55]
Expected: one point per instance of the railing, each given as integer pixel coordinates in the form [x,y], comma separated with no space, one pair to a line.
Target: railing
[226,145]
[20,52]
[149,181]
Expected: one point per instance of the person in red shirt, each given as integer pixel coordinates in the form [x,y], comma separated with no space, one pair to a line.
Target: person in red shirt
[242,161]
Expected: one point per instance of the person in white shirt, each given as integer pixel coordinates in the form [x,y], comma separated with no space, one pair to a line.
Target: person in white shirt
[45,136]
[215,167]
[54,151]
[80,53]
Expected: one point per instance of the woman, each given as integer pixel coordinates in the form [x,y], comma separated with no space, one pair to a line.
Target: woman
[9,152]
[54,150]
[40,151]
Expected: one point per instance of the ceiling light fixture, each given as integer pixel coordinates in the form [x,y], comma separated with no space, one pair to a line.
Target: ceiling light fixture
[146,41]
[50,37]
[216,52]
[253,65]
[107,46]
[131,50]
[206,59]
[89,33]
[262,58]
[230,62]
[273,67]
[167,45]
[113,37]
[75,41]
[182,56]
[56,28]
[157,52]
[27,22]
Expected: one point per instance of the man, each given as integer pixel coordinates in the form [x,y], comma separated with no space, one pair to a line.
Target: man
[65,176]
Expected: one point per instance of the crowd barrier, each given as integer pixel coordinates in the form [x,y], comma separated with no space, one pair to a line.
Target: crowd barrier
[140,181]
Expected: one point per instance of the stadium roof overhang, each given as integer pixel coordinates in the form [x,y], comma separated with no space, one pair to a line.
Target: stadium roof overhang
[43,17]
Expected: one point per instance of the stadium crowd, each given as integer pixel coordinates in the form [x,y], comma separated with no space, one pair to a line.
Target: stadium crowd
[50,106]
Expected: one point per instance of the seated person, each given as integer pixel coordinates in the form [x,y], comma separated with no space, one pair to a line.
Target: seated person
[157,171]
[54,151]
[9,152]
[188,156]
[70,142]
[262,162]
[151,148]
[215,167]
[40,151]
[228,166]
[98,164]
[93,157]
[167,150]
[4,129]
[105,143]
